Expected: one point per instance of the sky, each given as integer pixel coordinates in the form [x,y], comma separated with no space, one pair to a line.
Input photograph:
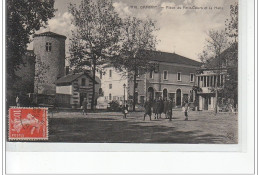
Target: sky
[182,29]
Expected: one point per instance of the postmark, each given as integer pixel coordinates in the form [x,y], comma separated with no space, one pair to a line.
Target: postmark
[28,123]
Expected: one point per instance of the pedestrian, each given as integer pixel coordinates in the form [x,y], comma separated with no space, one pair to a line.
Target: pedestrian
[170,106]
[18,102]
[85,106]
[165,107]
[148,109]
[186,110]
[154,108]
[160,107]
[125,110]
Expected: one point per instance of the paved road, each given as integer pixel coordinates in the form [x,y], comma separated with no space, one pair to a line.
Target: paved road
[202,127]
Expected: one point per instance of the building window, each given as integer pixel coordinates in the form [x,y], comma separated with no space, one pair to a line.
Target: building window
[110,86]
[151,74]
[165,75]
[83,82]
[191,77]
[48,47]
[110,73]
[100,75]
[110,96]
[179,76]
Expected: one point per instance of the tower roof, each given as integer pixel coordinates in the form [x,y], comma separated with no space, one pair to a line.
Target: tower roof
[51,34]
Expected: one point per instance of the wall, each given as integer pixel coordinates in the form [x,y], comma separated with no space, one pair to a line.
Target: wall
[117,82]
[55,59]
[64,89]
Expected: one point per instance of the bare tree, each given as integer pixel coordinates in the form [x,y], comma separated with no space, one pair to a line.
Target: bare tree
[96,35]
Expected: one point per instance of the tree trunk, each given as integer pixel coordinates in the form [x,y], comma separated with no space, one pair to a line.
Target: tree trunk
[134,98]
[93,86]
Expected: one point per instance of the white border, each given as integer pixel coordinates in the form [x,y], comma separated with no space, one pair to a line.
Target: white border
[161,162]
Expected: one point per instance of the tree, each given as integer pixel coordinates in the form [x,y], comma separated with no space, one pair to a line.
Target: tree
[23,19]
[231,83]
[216,43]
[137,39]
[232,23]
[96,35]
[40,77]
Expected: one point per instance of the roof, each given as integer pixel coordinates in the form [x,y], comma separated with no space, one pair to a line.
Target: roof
[52,34]
[171,58]
[71,77]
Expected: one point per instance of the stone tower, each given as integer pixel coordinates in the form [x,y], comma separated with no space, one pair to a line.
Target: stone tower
[49,49]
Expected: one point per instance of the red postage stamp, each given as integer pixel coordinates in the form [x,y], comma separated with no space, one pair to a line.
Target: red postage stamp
[28,123]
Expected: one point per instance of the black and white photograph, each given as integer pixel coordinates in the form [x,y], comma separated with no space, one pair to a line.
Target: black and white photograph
[129,86]
[121,71]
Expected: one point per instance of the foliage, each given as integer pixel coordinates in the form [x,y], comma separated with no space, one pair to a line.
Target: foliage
[232,23]
[23,19]
[40,77]
[137,39]
[114,106]
[96,35]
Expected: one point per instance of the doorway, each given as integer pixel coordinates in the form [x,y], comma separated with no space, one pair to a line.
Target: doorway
[150,93]
[206,102]
[165,93]
[82,96]
[178,97]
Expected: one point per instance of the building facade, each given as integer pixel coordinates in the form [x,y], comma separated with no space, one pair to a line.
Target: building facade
[49,49]
[71,90]
[173,77]
[112,84]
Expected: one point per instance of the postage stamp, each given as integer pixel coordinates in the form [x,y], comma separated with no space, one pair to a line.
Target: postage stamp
[28,123]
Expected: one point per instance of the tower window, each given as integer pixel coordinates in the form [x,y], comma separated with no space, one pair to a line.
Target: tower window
[110,86]
[48,47]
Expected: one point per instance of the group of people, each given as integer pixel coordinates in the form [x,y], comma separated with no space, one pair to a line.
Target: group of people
[158,107]
[165,106]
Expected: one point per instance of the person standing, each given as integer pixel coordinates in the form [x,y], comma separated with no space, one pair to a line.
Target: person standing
[160,107]
[148,109]
[186,110]
[125,110]
[165,107]
[18,102]
[154,108]
[85,106]
[170,106]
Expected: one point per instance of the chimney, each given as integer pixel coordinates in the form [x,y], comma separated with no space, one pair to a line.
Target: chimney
[67,70]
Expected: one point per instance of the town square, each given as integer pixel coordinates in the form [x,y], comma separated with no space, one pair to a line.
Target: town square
[111,127]
[103,71]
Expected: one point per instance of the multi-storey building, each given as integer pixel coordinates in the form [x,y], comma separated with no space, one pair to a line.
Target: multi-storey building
[173,77]
[208,82]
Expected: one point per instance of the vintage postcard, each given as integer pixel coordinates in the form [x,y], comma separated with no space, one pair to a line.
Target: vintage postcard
[122,71]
